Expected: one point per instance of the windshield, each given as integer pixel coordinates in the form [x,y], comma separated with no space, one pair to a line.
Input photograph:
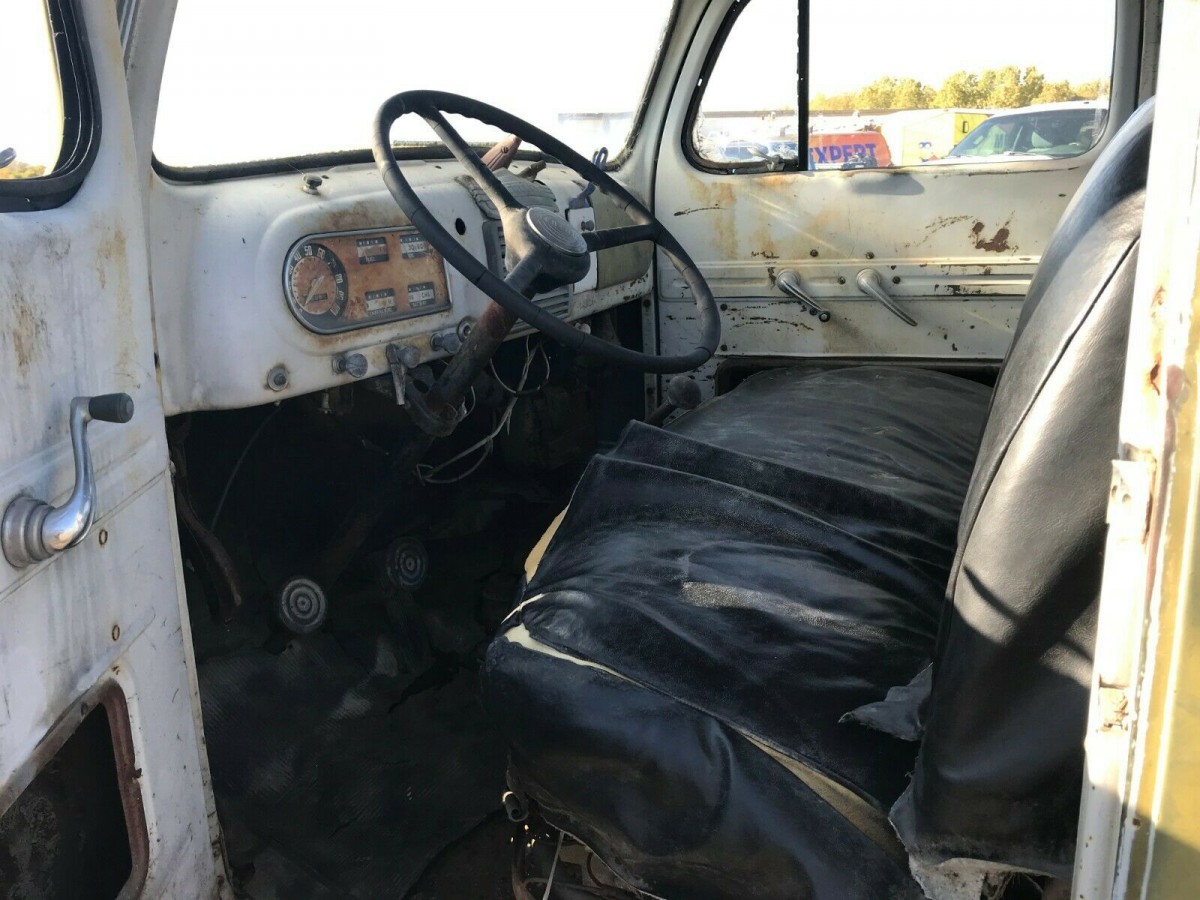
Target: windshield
[250,80]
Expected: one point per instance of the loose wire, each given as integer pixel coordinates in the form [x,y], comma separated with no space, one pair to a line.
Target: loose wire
[541,349]
[426,472]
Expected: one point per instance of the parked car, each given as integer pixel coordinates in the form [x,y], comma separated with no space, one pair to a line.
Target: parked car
[1050,130]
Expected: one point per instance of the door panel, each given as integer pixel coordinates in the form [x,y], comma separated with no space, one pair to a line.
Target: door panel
[955,246]
[75,321]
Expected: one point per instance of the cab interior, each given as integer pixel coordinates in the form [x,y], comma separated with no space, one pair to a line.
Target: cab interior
[658,521]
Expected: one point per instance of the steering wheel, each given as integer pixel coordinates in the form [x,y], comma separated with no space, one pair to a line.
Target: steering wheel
[546,250]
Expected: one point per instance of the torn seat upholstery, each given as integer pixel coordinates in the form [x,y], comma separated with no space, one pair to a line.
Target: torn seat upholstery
[720,675]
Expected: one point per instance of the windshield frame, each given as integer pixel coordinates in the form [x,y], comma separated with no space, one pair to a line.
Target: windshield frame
[407,151]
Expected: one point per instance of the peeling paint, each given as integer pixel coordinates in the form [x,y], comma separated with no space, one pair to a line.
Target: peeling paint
[770,320]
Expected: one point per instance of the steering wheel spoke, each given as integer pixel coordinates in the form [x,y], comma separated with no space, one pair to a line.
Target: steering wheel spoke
[620,236]
[465,154]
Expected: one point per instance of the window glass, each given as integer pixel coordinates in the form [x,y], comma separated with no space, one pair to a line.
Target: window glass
[253,80]
[748,112]
[890,88]
[31,109]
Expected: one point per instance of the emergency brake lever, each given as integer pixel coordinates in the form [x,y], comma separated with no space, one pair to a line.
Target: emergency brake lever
[33,530]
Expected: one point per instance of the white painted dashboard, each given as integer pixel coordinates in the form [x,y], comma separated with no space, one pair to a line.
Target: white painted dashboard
[218,254]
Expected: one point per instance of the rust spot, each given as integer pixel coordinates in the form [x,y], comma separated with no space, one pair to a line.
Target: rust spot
[996,244]
[27,333]
[362,214]
[1152,379]
[771,275]
[961,290]
[770,320]
[768,254]
[937,225]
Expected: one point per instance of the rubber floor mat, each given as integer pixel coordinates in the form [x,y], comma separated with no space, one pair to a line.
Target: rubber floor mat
[331,781]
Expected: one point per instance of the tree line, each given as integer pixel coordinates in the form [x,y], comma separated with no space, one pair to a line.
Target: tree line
[17,169]
[1007,87]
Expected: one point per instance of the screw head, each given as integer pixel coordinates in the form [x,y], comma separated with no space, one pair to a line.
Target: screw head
[277,378]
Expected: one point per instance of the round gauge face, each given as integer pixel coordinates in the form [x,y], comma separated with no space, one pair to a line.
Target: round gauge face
[316,280]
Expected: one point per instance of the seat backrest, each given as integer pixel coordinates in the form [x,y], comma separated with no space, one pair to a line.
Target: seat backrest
[1000,768]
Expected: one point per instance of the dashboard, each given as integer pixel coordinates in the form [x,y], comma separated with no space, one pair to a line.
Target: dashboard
[271,286]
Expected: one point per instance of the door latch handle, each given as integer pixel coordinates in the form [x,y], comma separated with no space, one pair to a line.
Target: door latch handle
[32,529]
[870,283]
[788,281]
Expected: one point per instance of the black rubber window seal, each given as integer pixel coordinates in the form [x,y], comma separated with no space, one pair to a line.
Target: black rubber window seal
[81,118]
[692,153]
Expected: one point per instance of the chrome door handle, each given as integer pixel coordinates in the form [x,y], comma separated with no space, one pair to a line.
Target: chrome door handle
[788,281]
[870,283]
[33,530]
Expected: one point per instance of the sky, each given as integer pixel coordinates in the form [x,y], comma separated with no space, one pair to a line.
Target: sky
[30,102]
[854,43]
[251,79]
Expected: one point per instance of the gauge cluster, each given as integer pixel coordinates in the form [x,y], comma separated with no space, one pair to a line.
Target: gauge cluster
[341,282]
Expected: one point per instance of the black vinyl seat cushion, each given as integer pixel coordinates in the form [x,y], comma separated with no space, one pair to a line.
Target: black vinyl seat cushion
[717,598]
[728,605]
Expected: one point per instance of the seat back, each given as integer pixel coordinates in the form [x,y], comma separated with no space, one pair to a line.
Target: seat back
[1001,763]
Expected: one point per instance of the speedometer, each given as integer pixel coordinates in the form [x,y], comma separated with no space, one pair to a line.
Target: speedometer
[316,280]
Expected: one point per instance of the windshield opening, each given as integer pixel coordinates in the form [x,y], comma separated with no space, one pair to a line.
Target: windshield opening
[247,80]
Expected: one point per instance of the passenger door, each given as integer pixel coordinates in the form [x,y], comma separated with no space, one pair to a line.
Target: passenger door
[925,259]
[103,782]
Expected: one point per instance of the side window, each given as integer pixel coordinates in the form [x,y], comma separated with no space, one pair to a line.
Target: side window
[829,85]
[48,115]
[749,111]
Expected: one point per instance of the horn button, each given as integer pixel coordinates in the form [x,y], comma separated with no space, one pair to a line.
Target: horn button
[558,246]
[556,231]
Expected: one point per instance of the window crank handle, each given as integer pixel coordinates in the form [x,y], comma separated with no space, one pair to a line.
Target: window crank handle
[33,530]
[788,281]
[870,283]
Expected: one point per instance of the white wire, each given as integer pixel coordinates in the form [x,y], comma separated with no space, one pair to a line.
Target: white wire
[426,472]
[553,868]
[541,349]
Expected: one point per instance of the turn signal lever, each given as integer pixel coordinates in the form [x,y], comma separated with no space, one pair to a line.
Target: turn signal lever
[33,530]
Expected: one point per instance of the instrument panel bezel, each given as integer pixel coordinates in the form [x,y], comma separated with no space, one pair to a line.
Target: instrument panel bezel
[445,305]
